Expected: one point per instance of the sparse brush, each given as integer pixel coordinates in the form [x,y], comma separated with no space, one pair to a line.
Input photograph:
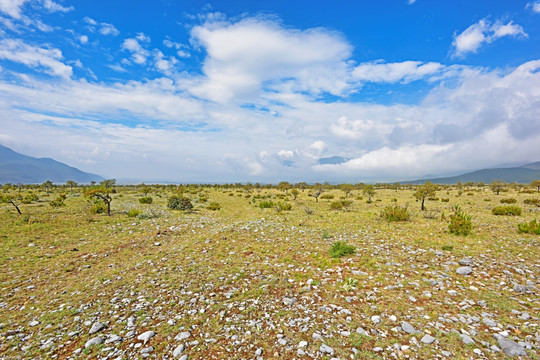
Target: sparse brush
[179,203]
[214,206]
[460,223]
[510,210]
[146,200]
[508,201]
[266,204]
[341,248]
[340,204]
[529,228]
[395,213]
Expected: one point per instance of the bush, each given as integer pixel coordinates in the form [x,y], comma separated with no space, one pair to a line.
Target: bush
[30,198]
[214,206]
[445,200]
[529,228]
[532,201]
[509,210]
[340,249]
[327,197]
[133,212]
[98,207]
[281,206]
[59,201]
[179,203]
[508,201]
[266,204]
[395,213]
[146,200]
[340,204]
[460,223]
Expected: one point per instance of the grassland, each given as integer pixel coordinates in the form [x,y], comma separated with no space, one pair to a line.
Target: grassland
[246,282]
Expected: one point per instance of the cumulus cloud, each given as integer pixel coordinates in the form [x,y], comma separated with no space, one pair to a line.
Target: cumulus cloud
[244,55]
[12,7]
[108,29]
[405,71]
[49,60]
[83,39]
[534,6]
[483,32]
[139,54]
[52,6]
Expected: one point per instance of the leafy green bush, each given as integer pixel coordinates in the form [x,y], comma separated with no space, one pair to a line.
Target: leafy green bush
[30,198]
[532,201]
[340,249]
[282,206]
[267,204]
[59,201]
[214,206]
[529,228]
[327,196]
[98,207]
[395,213]
[133,212]
[460,223]
[179,203]
[508,201]
[510,210]
[340,204]
[146,200]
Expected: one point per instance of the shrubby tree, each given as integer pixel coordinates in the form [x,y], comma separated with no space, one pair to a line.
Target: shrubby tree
[294,193]
[47,185]
[100,193]
[369,191]
[12,199]
[71,184]
[497,186]
[425,191]
[536,184]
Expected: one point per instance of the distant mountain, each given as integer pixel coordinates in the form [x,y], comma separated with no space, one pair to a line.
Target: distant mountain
[333,160]
[17,168]
[524,174]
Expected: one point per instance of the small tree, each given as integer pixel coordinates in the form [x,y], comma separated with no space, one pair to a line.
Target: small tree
[425,191]
[497,186]
[71,184]
[14,200]
[294,193]
[369,191]
[47,185]
[536,184]
[109,183]
[346,188]
[316,194]
[101,193]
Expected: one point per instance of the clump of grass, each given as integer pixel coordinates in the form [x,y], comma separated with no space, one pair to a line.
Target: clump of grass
[282,206]
[460,223]
[266,204]
[509,210]
[146,200]
[508,201]
[340,204]
[529,228]
[340,249]
[327,197]
[59,201]
[350,284]
[395,213]
[532,201]
[133,212]
[214,206]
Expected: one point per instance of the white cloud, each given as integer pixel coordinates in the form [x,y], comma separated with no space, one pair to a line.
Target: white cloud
[243,56]
[17,50]
[405,71]
[83,39]
[535,6]
[410,2]
[483,32]
[52,6]
[12,7]
[108,29]
[90,21]
[182,49]
[139,54]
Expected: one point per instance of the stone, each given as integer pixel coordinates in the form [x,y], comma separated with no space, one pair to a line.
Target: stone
[376,319]
[34,323]
[361,331]
[113,339]
[94,341]
[288,301]
[466,262]
[183,335]
[408,328]
[464,270]
[303,344]
[96,327]
[520,289]
[145,336]
[326,349]
[178,350]
[467,340]
[427,339]
[510,347]
[489,322]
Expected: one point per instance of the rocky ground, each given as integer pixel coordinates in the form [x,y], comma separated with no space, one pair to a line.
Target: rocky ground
[261,285]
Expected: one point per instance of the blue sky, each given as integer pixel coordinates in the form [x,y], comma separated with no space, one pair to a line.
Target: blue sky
[225,91]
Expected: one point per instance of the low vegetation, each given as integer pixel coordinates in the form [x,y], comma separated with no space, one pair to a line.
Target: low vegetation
[509,210]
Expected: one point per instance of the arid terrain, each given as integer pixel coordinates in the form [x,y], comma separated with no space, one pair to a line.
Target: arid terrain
[247,282]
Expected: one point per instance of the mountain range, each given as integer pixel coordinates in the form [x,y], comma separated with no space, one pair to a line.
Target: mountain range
[16,168]
[523,174]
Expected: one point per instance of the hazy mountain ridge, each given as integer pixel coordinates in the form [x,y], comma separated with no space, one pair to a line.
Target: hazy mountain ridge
[17,168]
[524,174]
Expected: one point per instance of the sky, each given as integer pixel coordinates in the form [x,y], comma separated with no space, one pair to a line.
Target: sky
[267,91]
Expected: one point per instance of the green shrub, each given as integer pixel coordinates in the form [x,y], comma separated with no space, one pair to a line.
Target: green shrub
[510,210]
[508,201]
[179,203]
[445,200]
[340,249]
[146,200]
[532,201]
[395,213]
[266,204]
[133,212]
[214,206]
[460,223]
[327,197]
[59,201]
[30,198]
[98,207]
[282,206]
[340,204]
[529,228]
